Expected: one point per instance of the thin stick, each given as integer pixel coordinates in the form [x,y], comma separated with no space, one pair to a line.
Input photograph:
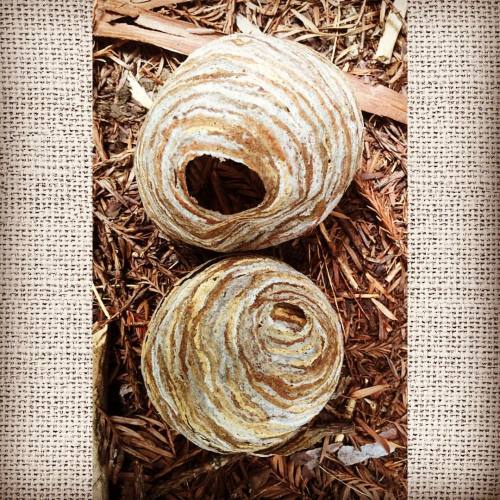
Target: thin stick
[391,31]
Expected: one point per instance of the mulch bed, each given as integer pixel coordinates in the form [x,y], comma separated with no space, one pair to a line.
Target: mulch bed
[358,257]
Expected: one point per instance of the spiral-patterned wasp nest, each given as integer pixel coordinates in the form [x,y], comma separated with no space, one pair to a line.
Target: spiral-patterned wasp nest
[251,142]
[241,354]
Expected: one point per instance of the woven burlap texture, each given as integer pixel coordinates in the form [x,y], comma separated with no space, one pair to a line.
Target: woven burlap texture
[45,241]
[46,248]
[454,244]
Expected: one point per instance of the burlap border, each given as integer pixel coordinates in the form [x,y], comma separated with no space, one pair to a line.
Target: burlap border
[454,246]
[46,248]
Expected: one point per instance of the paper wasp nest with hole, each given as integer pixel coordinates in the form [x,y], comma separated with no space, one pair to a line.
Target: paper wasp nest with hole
[251,142]
[241,354]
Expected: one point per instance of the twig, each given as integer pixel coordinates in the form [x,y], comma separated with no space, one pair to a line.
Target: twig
[379,100]
[391,31]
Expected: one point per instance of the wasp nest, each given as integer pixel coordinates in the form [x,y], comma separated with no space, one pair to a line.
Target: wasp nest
[241,354]
[251,142]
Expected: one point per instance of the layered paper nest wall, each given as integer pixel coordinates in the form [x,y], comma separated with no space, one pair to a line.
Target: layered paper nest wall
[46,243]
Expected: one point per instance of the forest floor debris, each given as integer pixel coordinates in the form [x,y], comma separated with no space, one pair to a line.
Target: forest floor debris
[358,257]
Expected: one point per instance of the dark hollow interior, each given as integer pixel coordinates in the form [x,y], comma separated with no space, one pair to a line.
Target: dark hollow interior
[224,186]
[289,313]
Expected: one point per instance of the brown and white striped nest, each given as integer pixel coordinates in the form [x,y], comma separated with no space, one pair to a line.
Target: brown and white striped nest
[241,354]
[275,106]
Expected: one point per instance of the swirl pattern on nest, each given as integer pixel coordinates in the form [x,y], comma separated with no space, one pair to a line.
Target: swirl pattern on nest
[241,354]
[275,106]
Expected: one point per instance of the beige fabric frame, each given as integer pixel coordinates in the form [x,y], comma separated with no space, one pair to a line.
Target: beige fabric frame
[454,248]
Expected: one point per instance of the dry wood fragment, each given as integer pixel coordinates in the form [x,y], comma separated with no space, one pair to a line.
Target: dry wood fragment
[154,4]
[383,309]
[368,391]
[100,473]
[391,31]
[378,438]
[310,436]
[179,44]
[379,100]
[138,92]
[245,26]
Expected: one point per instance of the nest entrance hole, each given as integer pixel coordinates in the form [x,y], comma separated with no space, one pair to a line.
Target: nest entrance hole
[290,314]
[224,186]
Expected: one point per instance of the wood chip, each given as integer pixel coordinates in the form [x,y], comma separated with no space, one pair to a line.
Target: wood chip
[349,455]
[368,391]
[384,309]
[245,26]
[391,31]
[138,92]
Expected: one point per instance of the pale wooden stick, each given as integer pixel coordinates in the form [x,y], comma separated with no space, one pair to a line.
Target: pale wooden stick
[181,45]
[100,473]
[391,31]
[379,100]
[138,92]
[153,4]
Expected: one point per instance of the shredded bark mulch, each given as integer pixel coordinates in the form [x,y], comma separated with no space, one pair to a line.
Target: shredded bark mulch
[358,257]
